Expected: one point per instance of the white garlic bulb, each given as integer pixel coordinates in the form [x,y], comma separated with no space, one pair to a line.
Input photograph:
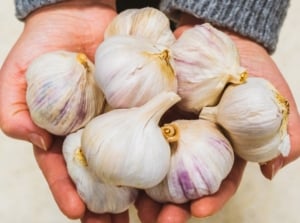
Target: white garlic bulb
[254,115]
[206,59]
[146,22]
[202,157]
[121,146]
[140,70]
[98,197]
[62,95]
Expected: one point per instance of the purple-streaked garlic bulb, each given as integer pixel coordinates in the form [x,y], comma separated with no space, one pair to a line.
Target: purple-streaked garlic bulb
[61,94]
[201,158]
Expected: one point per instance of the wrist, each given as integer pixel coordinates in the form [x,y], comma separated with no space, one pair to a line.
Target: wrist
[86,3]
[24,9]
[186,21]
[244,44]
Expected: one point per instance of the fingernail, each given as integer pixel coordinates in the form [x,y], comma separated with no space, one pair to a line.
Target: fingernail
[276,166]
[37,140]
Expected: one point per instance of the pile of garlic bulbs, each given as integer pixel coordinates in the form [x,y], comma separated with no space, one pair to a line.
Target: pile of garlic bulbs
[116,114]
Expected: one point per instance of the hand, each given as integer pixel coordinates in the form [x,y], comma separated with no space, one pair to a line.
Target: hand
[258,62]
[71,25]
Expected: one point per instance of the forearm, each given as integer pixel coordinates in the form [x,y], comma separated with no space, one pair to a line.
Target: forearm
[258,20]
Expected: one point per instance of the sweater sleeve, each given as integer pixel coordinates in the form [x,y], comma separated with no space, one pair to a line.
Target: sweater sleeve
[25,7]
[259,20]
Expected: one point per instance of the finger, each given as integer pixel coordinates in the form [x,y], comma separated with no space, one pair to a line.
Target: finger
[120,218]
[147,209]
[294,132]
[54,169]
[172,213]
[15,120]
[270,168]
[90,217]
[209,205]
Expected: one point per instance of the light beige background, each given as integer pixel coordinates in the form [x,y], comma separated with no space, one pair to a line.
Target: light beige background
[25,197]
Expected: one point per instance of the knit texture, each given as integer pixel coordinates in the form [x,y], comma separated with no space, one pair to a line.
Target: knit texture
[25,7]
[259,20]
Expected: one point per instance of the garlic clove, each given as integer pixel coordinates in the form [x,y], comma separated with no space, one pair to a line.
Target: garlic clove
[140,70]
[146,22]
[122,145]
[254,115]
[61,94]
[99,197]
[201,158]
[206,59]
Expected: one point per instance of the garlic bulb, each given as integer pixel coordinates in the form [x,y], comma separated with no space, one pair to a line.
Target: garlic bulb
[146,22]
[201,158]
[62,95]
[206,59]
[121,146]
[140,71]
[255,116]
[99,197]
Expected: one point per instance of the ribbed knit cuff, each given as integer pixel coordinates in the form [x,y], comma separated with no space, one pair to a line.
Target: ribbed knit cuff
[259,20]
[25,7]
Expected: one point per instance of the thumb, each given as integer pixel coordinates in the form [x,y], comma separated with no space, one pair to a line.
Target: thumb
[15,119]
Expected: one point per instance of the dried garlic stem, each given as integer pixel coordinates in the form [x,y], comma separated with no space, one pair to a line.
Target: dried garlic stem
[285,106]
[170,132]
[82,58]
[243,77]
[164,61]
[80,158]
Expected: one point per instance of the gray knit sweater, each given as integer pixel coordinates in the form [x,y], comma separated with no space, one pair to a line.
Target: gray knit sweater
[259,20]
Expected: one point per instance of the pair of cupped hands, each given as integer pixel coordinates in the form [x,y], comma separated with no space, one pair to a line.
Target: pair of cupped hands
[79,26]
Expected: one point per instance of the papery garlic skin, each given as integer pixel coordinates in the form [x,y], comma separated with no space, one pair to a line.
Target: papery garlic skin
[206,59]
[146,22]
[202,157]
[99,197]
[255,116]
[126,146]
[62,95]
[131,70]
